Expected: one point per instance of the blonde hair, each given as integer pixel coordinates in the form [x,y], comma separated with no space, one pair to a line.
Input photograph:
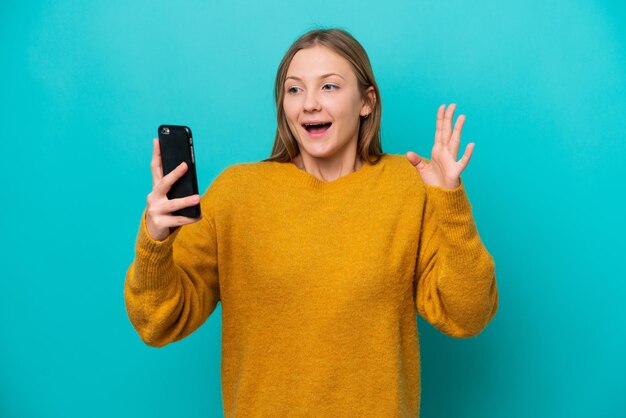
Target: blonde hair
[341,42]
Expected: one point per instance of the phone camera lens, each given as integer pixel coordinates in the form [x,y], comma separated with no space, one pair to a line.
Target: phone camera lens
[165,131]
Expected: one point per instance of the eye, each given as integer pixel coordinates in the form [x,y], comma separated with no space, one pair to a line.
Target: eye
[292,90]
[331,87]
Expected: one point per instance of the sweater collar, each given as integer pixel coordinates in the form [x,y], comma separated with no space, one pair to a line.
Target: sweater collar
[345,182]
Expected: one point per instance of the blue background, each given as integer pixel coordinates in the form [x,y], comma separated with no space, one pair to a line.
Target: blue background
[85,85]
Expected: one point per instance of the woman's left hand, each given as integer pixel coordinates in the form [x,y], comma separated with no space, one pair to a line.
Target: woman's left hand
[443,170]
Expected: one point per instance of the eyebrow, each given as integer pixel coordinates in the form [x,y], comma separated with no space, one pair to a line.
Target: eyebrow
[322,76]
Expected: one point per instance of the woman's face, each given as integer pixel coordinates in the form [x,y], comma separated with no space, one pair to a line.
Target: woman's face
[322,103]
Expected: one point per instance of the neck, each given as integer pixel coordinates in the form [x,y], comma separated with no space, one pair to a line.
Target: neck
[328,169]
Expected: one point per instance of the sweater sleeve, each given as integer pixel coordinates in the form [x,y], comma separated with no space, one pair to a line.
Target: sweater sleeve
[172,286]
[455,277]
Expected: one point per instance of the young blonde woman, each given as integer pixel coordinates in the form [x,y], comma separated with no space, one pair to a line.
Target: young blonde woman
[321,255]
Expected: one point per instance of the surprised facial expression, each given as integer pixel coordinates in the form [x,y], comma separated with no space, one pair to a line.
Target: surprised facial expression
[322,102]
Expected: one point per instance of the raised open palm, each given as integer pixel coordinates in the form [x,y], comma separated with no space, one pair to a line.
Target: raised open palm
[444,170]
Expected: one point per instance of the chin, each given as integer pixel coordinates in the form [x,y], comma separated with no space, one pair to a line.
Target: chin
[319,151]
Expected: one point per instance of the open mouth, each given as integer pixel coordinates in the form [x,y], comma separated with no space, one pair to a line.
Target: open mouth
[316,127]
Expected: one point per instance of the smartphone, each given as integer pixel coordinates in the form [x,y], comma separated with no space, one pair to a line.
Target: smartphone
[176,145]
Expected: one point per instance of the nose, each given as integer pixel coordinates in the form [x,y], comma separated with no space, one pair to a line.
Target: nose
[311,102]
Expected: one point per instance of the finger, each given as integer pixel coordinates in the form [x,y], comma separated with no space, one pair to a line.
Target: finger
[155,164]
[455,140]
[166,182]
[417,161]
[467,155]
[447,124]
[440,113]
[180,203]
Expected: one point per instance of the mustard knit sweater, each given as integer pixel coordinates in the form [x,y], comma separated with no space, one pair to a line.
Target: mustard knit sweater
[320,283]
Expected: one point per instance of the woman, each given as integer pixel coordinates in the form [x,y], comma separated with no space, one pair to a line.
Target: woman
[321,255]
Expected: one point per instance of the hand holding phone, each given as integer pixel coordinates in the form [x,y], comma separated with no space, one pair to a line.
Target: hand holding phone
[160,217]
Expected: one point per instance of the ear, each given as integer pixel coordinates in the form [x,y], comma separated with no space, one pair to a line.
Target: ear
[368,101]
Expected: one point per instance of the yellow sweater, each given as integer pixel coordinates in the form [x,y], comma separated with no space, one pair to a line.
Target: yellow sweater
[320,283]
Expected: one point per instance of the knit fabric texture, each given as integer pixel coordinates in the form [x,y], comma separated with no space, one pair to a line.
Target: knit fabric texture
[320,284]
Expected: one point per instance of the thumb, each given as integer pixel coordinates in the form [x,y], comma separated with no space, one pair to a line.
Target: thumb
[417,161]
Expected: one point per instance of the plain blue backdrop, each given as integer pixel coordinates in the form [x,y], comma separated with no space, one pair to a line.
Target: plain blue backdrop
[85,85]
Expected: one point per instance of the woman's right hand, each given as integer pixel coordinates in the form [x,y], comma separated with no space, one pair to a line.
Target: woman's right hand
[159,219]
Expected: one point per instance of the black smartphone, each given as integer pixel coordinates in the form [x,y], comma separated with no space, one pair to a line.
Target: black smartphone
[176,144]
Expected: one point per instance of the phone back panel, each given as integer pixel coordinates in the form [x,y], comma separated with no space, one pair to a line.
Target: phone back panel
[176,145]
